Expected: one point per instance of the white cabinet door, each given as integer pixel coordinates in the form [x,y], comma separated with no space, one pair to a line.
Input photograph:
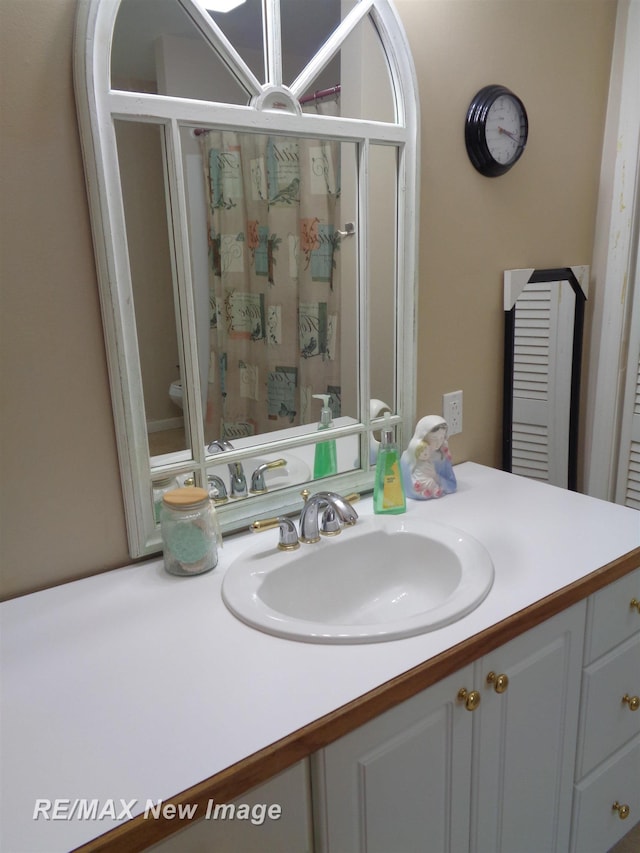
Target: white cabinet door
[598,824]
[607,791]
[611,618]
[429,776]
[526,739]
[400,782]
[607,721]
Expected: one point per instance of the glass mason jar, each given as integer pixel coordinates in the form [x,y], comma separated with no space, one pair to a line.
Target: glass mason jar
[189,531]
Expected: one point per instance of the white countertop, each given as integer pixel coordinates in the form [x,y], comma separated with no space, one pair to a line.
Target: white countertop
[135,685]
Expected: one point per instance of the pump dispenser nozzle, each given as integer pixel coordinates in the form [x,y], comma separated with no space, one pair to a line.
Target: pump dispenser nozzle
[387,431]
[325,414]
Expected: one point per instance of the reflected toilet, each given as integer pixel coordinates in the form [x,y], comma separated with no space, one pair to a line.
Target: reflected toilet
[175,392]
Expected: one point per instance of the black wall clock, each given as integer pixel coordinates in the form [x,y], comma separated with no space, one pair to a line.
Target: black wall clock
[496,130]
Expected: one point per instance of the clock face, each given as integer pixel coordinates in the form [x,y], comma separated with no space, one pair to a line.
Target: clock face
[496,130]
[505,129]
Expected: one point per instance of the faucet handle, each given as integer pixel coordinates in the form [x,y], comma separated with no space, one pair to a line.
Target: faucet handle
[258,485]
[330,523]
[288,535]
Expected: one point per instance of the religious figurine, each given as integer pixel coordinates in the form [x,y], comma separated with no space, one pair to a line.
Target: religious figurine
[427,469]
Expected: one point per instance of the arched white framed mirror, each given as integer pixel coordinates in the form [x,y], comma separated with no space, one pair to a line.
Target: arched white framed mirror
[252,177]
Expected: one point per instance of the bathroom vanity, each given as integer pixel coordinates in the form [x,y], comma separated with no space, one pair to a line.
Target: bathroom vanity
[508,729]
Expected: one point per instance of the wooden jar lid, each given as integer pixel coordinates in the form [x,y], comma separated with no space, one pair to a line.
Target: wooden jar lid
[186,497]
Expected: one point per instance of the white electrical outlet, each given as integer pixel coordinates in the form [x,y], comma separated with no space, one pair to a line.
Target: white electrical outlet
[452,411]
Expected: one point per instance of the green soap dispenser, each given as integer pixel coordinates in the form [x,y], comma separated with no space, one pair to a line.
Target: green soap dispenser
[325,459]
[388,489]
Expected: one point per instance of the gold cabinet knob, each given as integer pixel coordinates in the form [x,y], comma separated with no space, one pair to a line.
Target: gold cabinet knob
[635,603]
[632,701]
[500,682]
[623,810]
[471,698]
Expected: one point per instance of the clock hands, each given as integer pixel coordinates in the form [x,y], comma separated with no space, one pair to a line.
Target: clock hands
[509,134]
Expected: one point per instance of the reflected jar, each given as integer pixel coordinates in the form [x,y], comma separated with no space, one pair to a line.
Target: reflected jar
[189,531]
[160,488]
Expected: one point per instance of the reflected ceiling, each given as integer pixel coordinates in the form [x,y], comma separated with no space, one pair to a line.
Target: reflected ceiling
[141,22]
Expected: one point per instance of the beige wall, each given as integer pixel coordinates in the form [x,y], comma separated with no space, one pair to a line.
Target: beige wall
[555,55]
[61,514]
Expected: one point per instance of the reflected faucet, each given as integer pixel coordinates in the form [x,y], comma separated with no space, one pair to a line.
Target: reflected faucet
[333,504]
[237,479]
[217,489]
[258,484]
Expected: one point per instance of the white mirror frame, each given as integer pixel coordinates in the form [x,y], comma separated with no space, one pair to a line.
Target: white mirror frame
[99,106]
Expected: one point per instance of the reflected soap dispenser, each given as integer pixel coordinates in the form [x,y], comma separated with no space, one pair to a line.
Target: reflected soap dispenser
[388,490]
[325,459]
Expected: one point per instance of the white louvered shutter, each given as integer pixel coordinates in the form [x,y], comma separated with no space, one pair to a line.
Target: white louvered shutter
[628,492]
[628,474]
[542,381]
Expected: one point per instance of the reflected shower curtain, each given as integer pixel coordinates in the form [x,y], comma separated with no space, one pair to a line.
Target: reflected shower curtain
[273,281]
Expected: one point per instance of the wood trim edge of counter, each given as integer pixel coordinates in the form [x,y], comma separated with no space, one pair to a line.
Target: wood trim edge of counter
[139,833]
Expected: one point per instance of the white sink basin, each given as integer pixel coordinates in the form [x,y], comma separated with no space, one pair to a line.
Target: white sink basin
[385,578]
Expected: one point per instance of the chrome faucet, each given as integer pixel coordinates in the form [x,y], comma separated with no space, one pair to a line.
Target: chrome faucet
[336,511]
[333,505]
[237,479]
